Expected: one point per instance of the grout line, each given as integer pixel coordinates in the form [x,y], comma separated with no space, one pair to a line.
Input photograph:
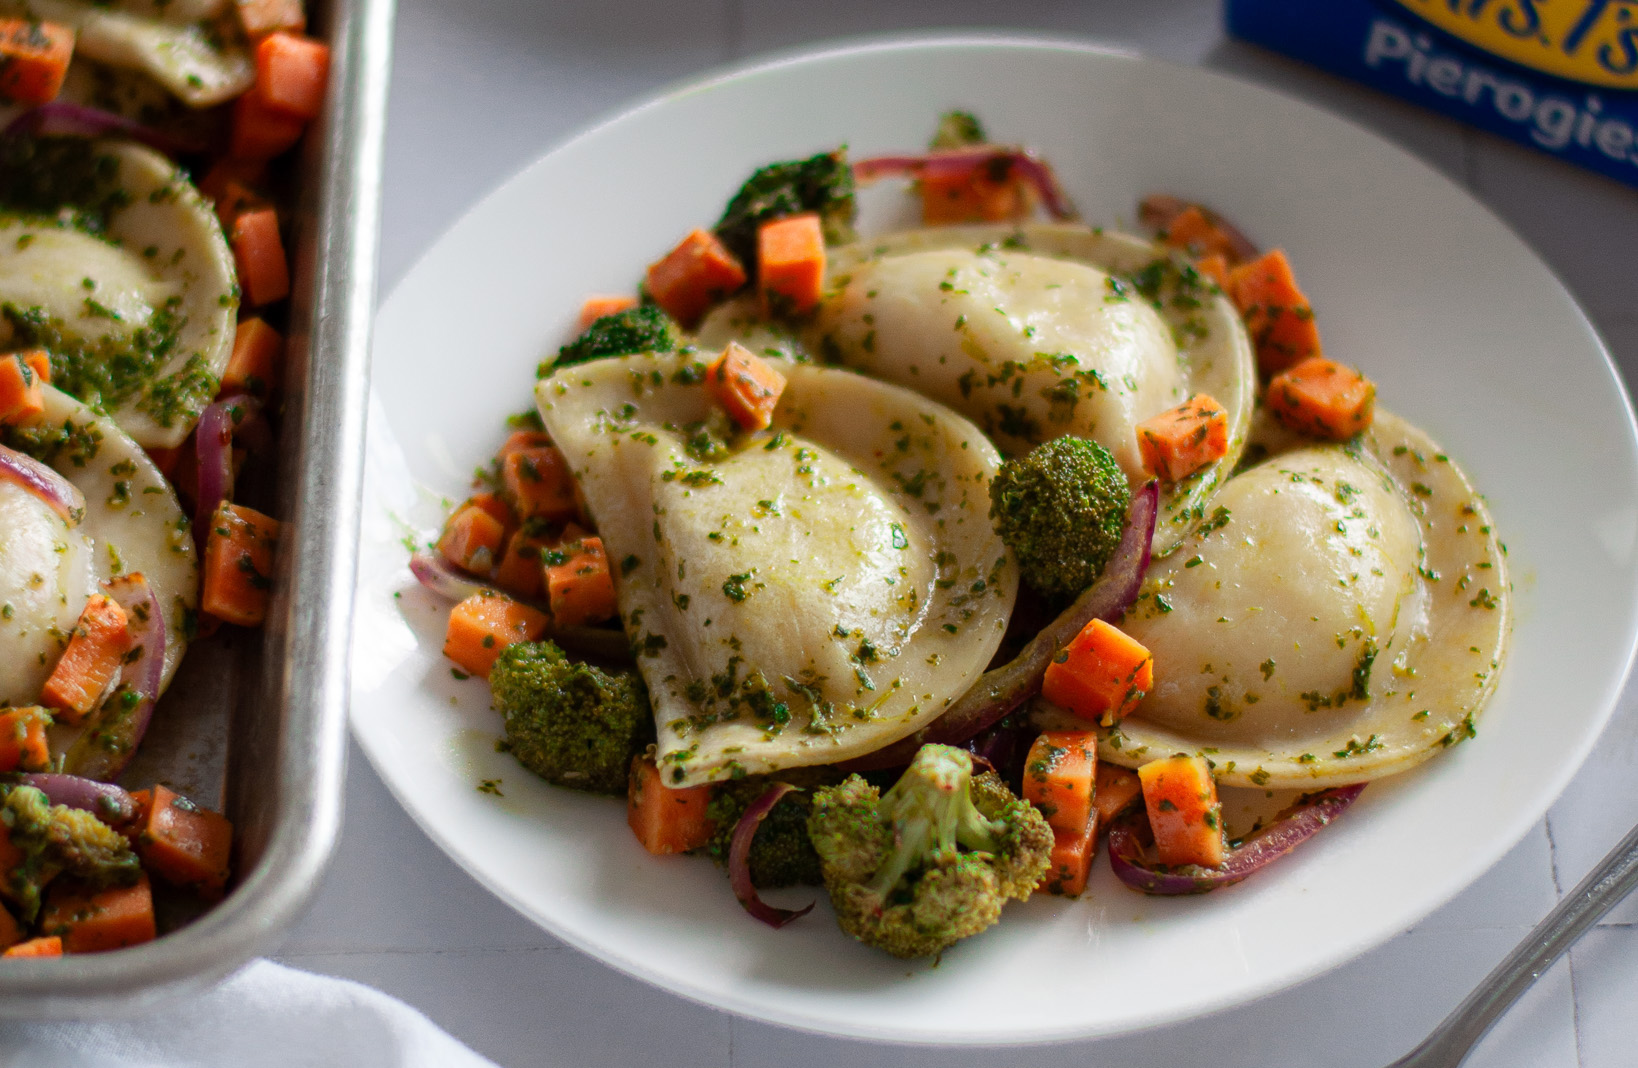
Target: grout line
[1552,858]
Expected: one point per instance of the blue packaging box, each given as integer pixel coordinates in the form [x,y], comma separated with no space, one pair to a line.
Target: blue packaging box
[1558,75]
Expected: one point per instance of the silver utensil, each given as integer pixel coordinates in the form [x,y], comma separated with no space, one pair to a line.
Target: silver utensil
[1450,1043]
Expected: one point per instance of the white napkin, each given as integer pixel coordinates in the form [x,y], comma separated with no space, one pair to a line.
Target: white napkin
[266,1016]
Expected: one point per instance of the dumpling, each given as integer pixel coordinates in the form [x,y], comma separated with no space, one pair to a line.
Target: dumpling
[50,563]
[1340,614]
[1044,331]
[113,261]
[799,596]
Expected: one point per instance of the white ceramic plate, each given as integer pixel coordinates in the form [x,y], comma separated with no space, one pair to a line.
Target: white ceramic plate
[1466,332]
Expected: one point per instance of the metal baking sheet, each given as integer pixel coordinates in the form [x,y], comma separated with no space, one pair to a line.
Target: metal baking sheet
[255,723]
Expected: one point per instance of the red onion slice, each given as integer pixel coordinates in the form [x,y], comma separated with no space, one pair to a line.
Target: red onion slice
[1029,166]
[59,494]
[103,750]
[213,452]
[1003,689]
[1157,210]
[65,118]
[1129,834]
[437,574]
[739,859]
[109,803]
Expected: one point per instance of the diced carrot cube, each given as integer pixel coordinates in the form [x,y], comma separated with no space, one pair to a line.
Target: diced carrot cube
[1115,788]
[245,173]
[580,589]
[746,385]
[1216,268]
[522,439]
[472,540]
[1182,440]
[22,392]
[696,274]
[38,361]
[257,17]
[50,946]
[1191,231]
[23,744]
[1070,863]
[1278,316]
[1058,776]
[492,503]
[264,273]
[291,72]
[1181,798]
[989,193]
[254,366]
[239,565]
[34,59]
[666,820]
[96,648]
[1322,399]
[790,262]
[261,132]
[142,802]
[522,571]
[1100,675]
[186,845]
[539,483]
[599,305]
[483,625]
[94,921]
[236,198]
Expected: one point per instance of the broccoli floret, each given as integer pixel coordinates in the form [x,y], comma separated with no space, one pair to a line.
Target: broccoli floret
[823,184]
[931,861]
[644,328]
[57,840]
[781,854]
[958,129]
[567,721]
[1060,508]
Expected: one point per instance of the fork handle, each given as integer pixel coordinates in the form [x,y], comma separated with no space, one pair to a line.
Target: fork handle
[1449,1044]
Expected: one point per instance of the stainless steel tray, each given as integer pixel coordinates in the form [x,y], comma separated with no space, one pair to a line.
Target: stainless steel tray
[258,726]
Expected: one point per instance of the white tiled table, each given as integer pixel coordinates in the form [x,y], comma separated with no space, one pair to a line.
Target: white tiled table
[482,87]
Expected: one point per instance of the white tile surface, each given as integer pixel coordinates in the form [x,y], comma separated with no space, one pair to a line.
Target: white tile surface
[482,87]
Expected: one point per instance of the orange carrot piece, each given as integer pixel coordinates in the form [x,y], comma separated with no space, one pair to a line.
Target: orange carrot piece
[254,366]
[1181,798]
[601,304]
[986,195]
[261,132]
[1100,675]
[22,392]
[38,361]
[790,256]
[186,845]
[1322,399]
[23,745]
[239,565]
[257,17]
[291,72]
[1114,789]
[494,505]
[521,571]
[1058,777]
[1071,860]
[483,625]
[580,589]
[235,199]
[34,59]
[91,922]
[696,274]
[142,802]
[746,385]
[51,946]
[222,173]
[1215,267]
[522,439]
[264,273]
[96,648]
[665,820]
[1191,231]
[1182,440]
[1278,316]
[472,540]
[538,483]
